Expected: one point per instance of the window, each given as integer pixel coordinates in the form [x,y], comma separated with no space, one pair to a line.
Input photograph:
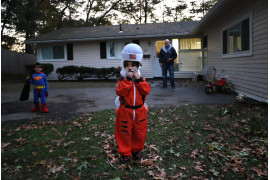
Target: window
[111,50]
[52,53]
[191,43]
[236,39]
[190,54]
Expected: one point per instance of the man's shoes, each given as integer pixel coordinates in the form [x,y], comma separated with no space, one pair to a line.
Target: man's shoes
[137,156]
[173,87]
[125,160]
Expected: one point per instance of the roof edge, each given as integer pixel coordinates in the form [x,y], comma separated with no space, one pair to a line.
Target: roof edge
[106,38]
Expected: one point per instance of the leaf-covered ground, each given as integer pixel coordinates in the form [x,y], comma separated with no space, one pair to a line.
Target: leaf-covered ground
[187,142]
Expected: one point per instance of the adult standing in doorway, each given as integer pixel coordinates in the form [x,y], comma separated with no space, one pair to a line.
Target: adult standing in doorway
[167,55]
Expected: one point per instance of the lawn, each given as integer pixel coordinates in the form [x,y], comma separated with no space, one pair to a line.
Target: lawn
[187,142]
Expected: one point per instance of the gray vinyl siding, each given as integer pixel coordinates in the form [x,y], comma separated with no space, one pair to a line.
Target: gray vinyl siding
[248,74]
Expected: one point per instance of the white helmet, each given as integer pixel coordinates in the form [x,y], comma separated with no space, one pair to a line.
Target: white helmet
[131,52]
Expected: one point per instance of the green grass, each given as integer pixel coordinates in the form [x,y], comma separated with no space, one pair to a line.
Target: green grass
[194,141]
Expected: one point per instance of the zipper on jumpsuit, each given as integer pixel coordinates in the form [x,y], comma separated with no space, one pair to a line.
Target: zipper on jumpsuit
[134,99]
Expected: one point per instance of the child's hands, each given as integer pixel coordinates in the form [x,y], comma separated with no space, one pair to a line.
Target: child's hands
[28,77]
[136,74]
[129,74]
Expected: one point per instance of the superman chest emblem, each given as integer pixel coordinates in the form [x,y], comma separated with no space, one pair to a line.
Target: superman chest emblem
[37,78]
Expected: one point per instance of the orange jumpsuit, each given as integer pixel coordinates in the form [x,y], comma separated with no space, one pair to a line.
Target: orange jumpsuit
[131,117]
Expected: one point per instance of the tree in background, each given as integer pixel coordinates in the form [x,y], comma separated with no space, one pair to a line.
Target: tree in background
[138,11]
[202,8]
[31,18]
[174,14]
[34,17]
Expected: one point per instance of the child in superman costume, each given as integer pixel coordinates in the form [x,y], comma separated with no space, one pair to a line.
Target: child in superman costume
[41,88]
[131,116]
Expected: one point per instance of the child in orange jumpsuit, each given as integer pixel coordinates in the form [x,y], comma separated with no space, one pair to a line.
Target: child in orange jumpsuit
[131,118]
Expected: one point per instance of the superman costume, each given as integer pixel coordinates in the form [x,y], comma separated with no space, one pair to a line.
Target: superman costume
[41,89]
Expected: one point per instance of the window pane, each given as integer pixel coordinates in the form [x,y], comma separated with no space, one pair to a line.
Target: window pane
[112,49]
[235,39]
[192,43]
[159,45]
[245,34]
[190,60]
[58,52]
[46,52]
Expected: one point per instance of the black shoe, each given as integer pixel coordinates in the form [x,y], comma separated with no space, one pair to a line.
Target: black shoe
[173,87]
[125,160]
[163,87]
[137,156]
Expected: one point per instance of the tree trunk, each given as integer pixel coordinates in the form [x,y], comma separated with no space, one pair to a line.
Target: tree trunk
[112,7]
[31,29]
[90,2]
[145,12]
[60,20]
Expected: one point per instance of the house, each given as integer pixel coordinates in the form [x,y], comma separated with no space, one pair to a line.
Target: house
[231,37]
[237,44]
[101,46]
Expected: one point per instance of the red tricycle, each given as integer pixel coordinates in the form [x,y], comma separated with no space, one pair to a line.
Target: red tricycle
[219,86]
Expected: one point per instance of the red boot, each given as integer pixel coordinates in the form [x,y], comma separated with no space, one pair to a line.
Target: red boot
[44,109]
[36,108]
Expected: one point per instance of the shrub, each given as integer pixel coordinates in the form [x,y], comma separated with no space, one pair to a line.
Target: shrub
[65,72]
[105,73]
[83,72]
[47,68]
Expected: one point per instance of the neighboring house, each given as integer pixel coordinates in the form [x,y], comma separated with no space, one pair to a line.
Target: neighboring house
[101,46]
[232,37]
[237,33]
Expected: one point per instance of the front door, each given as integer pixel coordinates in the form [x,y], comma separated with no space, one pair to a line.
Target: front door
[156,67]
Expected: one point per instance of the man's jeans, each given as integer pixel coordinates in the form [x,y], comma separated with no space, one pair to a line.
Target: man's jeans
[165,68]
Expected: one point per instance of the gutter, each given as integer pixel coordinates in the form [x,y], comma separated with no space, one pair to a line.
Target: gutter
[107,38]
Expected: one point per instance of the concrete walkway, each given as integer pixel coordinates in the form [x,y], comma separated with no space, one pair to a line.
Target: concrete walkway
[67,103]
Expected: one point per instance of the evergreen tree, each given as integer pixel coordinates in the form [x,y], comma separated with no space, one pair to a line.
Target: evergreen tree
[202,8]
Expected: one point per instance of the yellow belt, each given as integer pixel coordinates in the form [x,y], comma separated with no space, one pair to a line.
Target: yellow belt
[39,87]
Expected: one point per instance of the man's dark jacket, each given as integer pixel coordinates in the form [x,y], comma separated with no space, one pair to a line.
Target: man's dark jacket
[164,55]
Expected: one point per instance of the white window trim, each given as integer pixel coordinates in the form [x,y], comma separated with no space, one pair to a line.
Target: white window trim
[52,60]
[242,53]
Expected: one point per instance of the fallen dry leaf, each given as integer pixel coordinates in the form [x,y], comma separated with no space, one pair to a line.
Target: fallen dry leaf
[4,145]
[177,176]
[56,169]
